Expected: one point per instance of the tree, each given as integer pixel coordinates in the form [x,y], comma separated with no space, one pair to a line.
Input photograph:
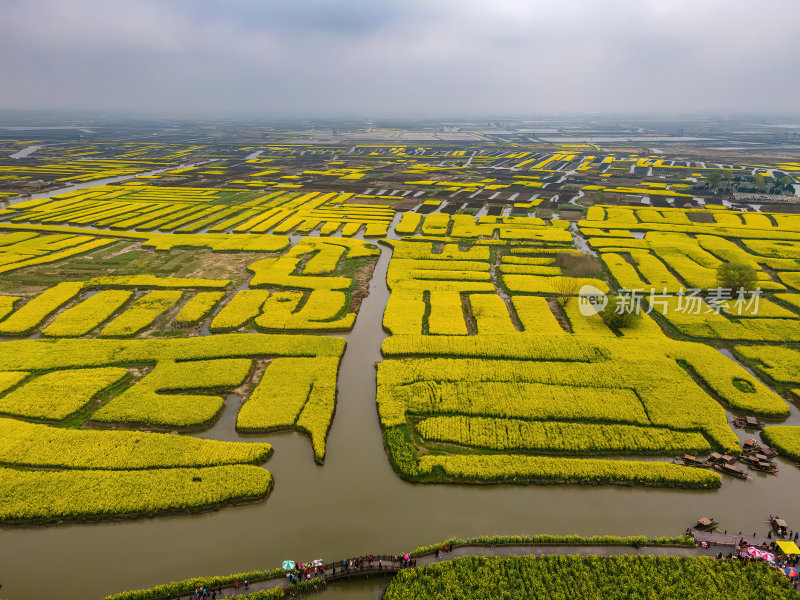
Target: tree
[619,317]
[714,178]
[735,275]
[785,183]
[598,196]
[565,288]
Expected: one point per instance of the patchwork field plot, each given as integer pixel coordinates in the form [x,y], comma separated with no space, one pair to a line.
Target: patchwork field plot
[83,372]
[100,381]
[221,280]
[677,255]
[493,375]
[26,248]
[191,210]
[298,290]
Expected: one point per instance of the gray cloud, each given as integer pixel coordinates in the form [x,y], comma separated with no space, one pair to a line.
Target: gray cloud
[384,57]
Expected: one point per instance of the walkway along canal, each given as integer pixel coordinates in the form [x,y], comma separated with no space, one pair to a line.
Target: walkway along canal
[390,565]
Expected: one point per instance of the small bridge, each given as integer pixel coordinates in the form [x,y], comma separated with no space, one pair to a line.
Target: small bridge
[380,565]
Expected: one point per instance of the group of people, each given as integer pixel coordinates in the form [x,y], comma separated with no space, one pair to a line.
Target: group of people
[369,562]
[305,571]
[778,564]
[440,551]
[213,593]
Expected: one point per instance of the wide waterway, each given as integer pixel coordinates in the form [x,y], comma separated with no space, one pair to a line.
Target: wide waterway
[355,504]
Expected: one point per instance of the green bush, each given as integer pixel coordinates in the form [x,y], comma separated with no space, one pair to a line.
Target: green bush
[188,586]
[557,540]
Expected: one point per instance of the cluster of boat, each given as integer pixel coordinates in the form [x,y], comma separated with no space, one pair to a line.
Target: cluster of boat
[778,524]
[754,455]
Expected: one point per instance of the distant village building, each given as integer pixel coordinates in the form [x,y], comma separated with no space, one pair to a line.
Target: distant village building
[765,198]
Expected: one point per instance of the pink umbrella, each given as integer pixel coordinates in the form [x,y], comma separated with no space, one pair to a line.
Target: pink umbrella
[406,556]
[756,553]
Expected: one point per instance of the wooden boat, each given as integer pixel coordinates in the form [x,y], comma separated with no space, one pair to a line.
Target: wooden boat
[748,423]
[750,445]
[753,447]
[730,470]
[706,524]
[769,452]
[760,464]
[766,467]
[691,461]
[779,525]
[721,459]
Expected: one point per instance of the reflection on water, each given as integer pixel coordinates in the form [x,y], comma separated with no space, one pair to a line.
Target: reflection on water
[27,151]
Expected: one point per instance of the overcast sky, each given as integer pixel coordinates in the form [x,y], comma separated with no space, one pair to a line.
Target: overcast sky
[371,58]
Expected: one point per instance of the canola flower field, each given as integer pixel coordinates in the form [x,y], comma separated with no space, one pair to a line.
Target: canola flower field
[136,309]
[492,373]
[617,577]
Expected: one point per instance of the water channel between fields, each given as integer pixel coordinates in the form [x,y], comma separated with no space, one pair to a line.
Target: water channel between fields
[355,504]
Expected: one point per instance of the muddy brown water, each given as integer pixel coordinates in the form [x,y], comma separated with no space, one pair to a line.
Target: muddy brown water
[355,504]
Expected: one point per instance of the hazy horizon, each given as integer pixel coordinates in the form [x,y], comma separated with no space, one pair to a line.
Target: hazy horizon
[360,59]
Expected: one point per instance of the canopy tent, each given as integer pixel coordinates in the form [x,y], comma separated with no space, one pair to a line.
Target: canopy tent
[788,548]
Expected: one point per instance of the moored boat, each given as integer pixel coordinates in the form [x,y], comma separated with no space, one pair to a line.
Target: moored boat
[706,524]
[748,423]
[731,470]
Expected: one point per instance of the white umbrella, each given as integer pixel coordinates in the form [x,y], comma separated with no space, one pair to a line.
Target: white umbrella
[319,563]
[287,565]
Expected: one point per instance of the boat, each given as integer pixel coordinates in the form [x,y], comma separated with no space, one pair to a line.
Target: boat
[721,459]
[748,423]
[752,446]
[766,467]
[779,525]
[769,452]
[706,524]
[760,463]
[763,458]
[730,470]
[691,461]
